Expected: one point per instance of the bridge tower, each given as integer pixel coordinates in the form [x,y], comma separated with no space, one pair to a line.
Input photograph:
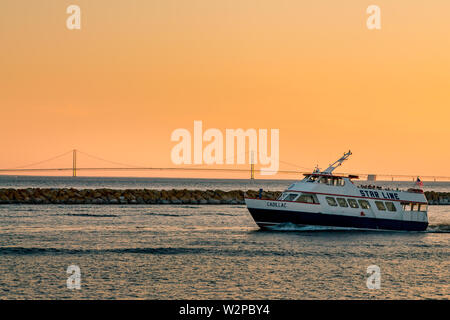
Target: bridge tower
[74,163]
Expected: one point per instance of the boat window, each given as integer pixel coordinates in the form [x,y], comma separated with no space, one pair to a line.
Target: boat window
[353,203]
[414,206]
[331,201]
[390,206]
[339,182]
[364,204]
[380,205]
[342,202]
[285,195]
[406,206]
[308,198]
[291,197]
[323,180]
[312,179]
[423,207]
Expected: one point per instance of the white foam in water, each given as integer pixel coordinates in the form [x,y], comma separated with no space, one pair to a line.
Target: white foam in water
[295,227]
[439,228]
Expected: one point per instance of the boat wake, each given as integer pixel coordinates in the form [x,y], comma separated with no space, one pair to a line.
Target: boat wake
[295,227]
[439,228]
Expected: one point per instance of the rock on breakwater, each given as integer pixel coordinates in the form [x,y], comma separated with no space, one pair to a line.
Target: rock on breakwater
[148,196]
[127,196]
[437,197]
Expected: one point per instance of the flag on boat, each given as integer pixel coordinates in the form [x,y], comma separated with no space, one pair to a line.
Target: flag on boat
[419,182]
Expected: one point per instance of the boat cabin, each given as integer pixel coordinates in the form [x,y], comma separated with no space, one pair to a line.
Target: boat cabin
[327,179]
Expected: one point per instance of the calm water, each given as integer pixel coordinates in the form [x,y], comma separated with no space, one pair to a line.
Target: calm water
[177,183]
[209,252]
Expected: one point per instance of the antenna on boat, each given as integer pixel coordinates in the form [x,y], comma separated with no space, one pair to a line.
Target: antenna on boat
[338,162]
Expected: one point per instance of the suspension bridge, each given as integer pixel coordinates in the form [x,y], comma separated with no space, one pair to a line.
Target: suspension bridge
[74,169]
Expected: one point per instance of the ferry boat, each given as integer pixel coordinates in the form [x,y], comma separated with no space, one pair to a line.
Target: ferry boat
[325,199]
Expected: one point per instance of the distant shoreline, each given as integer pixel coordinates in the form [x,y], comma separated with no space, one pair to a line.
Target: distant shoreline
[106,196]
[203,179]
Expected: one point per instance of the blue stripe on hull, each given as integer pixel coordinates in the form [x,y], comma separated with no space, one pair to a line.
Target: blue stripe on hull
[263,216]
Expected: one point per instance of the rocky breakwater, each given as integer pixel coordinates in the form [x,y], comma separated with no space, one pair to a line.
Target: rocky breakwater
[437,197]
[127,196]
[149,196]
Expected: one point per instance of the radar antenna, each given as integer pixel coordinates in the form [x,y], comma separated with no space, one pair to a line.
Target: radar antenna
[338,162]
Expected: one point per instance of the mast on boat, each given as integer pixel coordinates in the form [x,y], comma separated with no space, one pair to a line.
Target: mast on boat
[338,162]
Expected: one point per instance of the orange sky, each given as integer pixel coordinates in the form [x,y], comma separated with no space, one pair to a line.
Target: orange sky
[137,70]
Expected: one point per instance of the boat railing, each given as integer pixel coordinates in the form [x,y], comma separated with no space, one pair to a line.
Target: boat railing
[411,190]
[373,187]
